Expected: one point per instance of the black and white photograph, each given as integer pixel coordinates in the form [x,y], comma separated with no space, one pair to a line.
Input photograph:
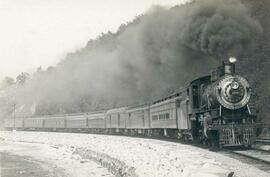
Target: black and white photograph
[124,88]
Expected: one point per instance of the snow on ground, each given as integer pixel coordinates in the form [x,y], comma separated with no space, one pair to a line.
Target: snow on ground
[263,146]
[12,165]
[55,159]
[127,156]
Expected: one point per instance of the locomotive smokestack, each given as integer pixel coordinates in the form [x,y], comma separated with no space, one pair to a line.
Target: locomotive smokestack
[232,61]
[229,68]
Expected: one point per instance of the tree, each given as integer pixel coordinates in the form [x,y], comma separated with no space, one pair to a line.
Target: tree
[7,81]
[22,78]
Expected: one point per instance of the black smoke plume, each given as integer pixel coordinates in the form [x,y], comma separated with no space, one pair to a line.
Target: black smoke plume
[146,59]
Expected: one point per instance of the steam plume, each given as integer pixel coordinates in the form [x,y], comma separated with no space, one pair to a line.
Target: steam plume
[146,59]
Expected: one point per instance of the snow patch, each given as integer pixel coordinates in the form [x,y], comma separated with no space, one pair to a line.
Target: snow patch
[127,156]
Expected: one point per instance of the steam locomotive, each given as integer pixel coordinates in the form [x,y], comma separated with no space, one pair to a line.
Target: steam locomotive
[213,109]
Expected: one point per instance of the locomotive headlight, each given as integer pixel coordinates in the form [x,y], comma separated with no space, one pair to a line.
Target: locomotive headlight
[232,60]
[234,85]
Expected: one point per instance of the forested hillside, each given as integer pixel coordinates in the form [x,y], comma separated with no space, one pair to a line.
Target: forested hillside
[256,64]
[150,57]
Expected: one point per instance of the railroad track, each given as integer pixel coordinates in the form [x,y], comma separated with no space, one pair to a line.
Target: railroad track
[263,141]
[255,157]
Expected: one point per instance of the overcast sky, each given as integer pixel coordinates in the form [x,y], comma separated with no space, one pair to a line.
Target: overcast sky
[37,33]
